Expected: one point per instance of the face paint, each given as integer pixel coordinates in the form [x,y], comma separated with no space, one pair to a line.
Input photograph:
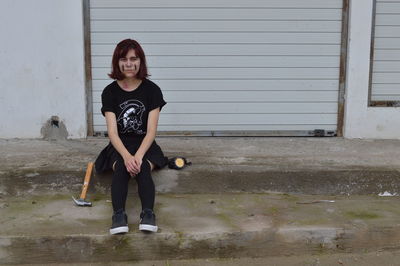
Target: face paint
[130,64]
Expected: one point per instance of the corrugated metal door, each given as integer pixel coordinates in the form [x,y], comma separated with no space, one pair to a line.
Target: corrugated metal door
[269,66]
[386,61]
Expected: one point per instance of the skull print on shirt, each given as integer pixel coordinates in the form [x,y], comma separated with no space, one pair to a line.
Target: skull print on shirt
[130,118]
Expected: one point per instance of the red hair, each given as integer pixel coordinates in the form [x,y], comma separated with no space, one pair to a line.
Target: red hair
[120,51]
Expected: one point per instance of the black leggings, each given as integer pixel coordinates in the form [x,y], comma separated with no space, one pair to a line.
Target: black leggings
[119,186]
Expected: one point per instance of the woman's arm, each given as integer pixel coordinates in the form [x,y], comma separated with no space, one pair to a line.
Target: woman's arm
[112,129]
[152,124]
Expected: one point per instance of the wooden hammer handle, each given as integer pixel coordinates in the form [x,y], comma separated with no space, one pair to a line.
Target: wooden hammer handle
[87,180]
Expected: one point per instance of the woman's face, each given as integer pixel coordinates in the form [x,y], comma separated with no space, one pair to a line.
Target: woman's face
[129,65]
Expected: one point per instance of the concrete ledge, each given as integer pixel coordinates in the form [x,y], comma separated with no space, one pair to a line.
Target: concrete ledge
[139,247]
[204,179]
[326,166]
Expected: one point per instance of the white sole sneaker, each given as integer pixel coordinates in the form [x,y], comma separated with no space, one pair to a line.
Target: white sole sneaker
[148,227]
[119,230]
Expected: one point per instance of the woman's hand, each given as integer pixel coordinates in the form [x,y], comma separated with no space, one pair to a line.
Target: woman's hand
[150,135]
[138,160]
[131,164]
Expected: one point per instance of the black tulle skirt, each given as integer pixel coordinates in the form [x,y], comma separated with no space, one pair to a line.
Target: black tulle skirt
[109,155]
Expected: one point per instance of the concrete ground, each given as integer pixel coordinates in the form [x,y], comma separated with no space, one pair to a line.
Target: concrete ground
[387,258]
[242,199]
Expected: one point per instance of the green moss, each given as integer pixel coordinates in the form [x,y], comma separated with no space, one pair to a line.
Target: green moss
[180,237]
[321,249]
[123,243]
[20,207]
[120,244]
[98,197]
[311,221]
[362,215]
[289,197]
[95,222]
[273,210]
[226,219]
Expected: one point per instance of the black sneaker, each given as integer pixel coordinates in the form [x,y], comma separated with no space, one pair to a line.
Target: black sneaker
[119,223]
[148,221]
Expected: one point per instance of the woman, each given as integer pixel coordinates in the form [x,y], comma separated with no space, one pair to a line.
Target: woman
[131,105]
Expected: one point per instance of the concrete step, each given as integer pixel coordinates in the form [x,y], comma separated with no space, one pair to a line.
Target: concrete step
[223,206]
[50,229]
[212,179]
[325,166]
[354,259]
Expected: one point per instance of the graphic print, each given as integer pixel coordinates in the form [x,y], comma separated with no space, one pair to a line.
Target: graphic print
[130,119]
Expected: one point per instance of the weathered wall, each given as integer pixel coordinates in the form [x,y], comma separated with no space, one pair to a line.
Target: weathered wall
[360,120]
[42,63]
[42,67]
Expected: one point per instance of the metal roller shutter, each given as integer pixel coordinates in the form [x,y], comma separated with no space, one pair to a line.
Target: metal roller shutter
[386,61]
[266,67]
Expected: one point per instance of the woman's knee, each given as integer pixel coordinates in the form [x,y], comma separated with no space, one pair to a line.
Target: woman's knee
[145,172]
[113,166]
[151,165]
[119,168]
[145,167]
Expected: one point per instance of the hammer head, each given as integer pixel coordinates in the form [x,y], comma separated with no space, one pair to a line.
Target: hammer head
[82,202]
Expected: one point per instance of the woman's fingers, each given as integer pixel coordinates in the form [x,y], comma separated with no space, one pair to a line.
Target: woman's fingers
[138,162]
[131,167]
[134,169]
[134,166]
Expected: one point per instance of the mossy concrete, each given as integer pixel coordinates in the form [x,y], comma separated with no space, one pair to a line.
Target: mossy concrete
[50,229]
[241,197]
[329,166]
[279,154]
[196,180]
[353,259]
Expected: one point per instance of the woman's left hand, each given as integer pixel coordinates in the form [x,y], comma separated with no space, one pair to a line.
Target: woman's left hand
[138,160]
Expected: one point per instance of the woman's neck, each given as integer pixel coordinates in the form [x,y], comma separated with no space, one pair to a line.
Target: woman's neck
[129,84]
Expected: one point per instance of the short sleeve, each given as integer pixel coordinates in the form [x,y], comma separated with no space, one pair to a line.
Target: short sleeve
[107,103]
[156,99]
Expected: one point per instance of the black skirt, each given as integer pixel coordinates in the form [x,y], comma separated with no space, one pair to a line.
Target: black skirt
[109,155]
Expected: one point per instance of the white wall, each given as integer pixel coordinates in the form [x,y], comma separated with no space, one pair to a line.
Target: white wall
[42,71]
[360,120]
[42,67]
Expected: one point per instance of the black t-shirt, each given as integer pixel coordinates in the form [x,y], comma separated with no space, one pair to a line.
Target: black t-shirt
[132,108]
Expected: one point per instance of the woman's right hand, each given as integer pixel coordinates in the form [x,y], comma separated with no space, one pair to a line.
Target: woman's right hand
[131,165]
[130,162]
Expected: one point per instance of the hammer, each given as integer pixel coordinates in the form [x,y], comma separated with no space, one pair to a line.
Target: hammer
[81,201]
